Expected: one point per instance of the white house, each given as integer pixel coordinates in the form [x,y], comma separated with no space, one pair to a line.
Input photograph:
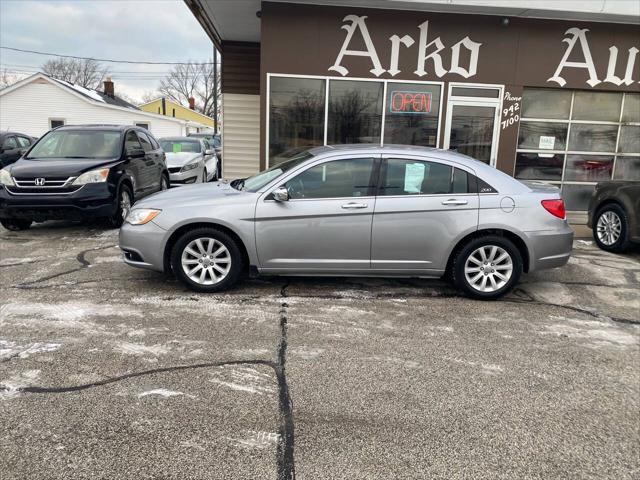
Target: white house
[39,103]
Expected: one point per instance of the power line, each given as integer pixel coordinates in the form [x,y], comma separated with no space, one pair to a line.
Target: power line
[101,59]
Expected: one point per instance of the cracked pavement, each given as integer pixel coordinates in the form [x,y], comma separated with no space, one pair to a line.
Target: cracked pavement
[112,372]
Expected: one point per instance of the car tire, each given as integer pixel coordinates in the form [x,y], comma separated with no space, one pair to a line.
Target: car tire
[15,225]
[611,229]
[479,277]
[124,201]
[164,183]
[221,271]
[204,175]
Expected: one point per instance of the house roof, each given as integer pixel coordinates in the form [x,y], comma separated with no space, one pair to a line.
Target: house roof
[96,95]
[91,96]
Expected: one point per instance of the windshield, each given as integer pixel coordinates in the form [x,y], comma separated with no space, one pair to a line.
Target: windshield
[255,183]
[178,146]
[78,144]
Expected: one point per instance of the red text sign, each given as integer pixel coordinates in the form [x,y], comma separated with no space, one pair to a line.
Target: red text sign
[410,102]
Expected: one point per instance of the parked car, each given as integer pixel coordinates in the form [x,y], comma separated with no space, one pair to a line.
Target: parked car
[12,146]
[78,172]
[214,140]
[356,211]
[190,160]
[614,215]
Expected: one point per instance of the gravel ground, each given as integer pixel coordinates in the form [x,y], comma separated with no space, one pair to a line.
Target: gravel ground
[116,373]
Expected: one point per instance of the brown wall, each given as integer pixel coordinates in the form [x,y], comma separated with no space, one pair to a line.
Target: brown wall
[305,40]
[240,68]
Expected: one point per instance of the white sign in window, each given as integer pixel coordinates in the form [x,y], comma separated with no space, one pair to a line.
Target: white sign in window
[546,143]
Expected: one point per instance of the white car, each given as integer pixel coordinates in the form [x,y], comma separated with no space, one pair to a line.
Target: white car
[189,160]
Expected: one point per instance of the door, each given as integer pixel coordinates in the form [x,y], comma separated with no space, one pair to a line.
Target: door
[422,207]
[152,163]
[326,223]
[472,129]
[135,164]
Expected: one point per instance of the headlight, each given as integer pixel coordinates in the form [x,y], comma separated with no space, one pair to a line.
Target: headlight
[140,216]
[190,166]
[94,176]
[5,178]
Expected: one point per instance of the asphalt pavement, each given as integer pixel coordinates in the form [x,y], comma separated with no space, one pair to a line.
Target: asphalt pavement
[109,372]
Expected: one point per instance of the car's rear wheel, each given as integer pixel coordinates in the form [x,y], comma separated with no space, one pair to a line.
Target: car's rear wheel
[123,207]
[487,267]
[611,229]
[15,224]
[206,260]
[164,183]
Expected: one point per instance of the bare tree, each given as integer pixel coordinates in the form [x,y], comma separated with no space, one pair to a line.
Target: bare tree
[192,80]
[86,73]
[7,79]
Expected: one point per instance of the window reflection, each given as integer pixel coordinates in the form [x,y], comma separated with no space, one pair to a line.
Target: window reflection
[296,115]
[355,112]
[603,106]
[539,166]
[531,134]
[627,168]
[588,168]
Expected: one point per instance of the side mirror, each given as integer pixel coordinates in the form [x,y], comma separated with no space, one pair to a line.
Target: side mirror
[210,152]
[281,194]
[135,152]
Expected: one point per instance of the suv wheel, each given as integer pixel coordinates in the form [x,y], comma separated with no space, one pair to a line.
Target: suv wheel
[125,200]
[487,267]
[15,224]
[164,183]
[611,229]
[206,260]
[204,175]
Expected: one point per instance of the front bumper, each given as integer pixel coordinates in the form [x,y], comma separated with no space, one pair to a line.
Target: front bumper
[143,245]
[184,178]
[93,200]
[549,248]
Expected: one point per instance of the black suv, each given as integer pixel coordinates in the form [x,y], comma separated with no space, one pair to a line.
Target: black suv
[12,146]
[79,172]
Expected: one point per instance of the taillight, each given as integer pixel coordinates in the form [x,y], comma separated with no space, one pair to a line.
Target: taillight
[555,207]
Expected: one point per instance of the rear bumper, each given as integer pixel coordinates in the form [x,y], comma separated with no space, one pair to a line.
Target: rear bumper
[549,248]
[143,245]
[90,201]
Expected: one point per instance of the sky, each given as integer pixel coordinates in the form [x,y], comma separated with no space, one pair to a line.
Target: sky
[137,30]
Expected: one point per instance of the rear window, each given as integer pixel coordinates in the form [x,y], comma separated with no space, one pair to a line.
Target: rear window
[179,146]
[78,144]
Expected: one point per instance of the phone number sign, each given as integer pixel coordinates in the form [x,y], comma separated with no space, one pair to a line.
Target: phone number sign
[410,102]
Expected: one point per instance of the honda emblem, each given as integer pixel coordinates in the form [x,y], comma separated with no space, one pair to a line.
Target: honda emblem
[39,182]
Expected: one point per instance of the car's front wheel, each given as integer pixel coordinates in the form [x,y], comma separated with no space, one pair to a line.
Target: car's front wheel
[487,267]
[206,260]
[14,224]
[123,207]
[164,183]
[611,229]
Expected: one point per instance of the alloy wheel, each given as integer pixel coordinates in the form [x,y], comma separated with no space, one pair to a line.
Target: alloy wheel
[163,183]
[206,261]
[488,268]
[125,203]
[609,227]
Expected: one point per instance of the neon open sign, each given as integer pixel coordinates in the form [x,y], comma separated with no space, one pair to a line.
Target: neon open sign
[410,102]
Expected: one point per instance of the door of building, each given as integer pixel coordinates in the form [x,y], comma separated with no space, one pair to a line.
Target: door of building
[473,121]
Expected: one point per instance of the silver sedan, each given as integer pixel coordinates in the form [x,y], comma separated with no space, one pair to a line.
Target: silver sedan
[355,211]
[189,160]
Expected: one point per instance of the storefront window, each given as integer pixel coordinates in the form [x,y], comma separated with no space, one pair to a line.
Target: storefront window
[597,106]
[355,112]
[546,103]
[411,116]
[603,141]
[296,116]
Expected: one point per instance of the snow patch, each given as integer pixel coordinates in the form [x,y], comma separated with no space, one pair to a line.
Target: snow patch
[12,349]
[163,392]
[129,348]
[13,385]
[243,379]
[255,439]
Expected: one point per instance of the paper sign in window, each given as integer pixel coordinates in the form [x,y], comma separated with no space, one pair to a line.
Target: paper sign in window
[546,143]
[177,147]
[414,175]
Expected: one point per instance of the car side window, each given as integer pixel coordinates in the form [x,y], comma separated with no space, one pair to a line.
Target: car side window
[131,141]
[9,143]
[144,140]
[24,142]
[415,177]
[334,179]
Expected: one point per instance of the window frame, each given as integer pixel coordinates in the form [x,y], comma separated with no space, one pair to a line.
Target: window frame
[566,151]
[57,119]
[145,125]
[328,79]
[6,139]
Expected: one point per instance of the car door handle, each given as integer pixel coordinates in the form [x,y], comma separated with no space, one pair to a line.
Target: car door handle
[353,206]
[453,201]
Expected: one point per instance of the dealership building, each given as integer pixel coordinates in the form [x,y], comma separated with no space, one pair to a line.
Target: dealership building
[547,91]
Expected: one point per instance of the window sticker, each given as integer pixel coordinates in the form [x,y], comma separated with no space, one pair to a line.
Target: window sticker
[546,143]
[176,147]
[414,175]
